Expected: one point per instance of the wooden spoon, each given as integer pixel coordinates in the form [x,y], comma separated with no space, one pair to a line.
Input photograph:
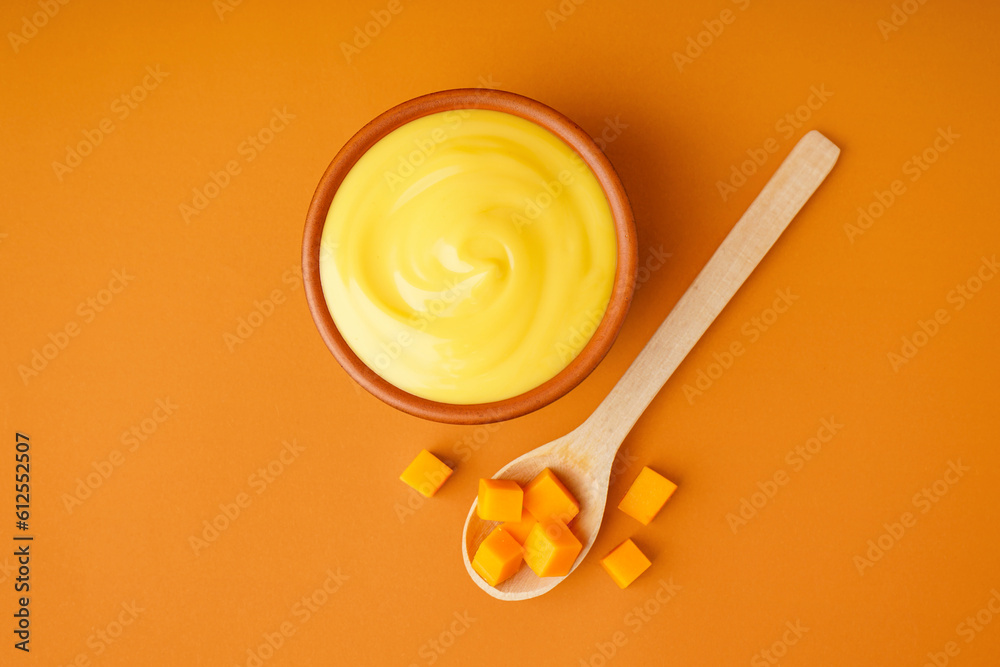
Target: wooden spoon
[582,459]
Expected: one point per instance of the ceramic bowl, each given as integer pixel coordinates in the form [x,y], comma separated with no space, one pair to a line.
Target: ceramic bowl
[625,272]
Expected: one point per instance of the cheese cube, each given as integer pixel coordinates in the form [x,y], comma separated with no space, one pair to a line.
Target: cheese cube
[498,558]
[426,474]
[647,495]
[551,548]
[519,530]
[547,498]
[499,500]
[625,563]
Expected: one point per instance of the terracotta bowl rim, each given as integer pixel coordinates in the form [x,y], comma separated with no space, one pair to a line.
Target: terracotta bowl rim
[625,271]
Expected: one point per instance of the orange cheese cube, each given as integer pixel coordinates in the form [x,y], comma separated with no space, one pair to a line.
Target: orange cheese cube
[551,548]
[519,529]
[426,474]
[499,500]
[547,498]
[647,495]
[498,558]
[625,563]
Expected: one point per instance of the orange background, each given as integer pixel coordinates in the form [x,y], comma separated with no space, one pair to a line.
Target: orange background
[336,504]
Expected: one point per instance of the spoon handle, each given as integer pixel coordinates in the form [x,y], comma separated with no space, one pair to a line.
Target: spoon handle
[793,183]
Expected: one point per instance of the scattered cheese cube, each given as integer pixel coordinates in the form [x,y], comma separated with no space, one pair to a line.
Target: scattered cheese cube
[551,548]
[426,474]
[647,495]
[519,529]
[498,558]
[625,563]
[499,500]
[547,498]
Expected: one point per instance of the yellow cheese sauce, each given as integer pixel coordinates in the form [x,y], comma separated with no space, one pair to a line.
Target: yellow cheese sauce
[468,256]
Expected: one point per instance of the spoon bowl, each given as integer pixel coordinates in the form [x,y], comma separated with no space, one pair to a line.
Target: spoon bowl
[583,471]
[583,458]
